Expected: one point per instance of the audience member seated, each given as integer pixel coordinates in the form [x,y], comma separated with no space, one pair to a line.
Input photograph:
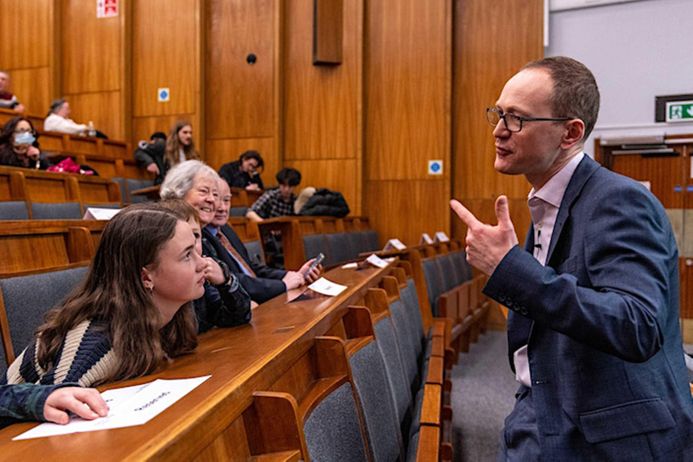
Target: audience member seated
[180,145]
[58,120]
[244,173]
[279,201]
[49,403]
[131,314]
[7,99]
[150,155]
[198,184]
[19,146]
[225,303]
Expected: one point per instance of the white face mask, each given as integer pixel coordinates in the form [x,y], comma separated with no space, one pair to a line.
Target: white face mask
[24,138]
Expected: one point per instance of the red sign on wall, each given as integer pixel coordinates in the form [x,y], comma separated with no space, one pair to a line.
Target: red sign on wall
[106,8]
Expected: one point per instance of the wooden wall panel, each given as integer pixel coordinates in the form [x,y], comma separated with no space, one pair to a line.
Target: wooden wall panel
[219,152]
[322,104]
[91,49]
[25,33]
[101,108]
[33,88]
[240,96]
[336,174]
[405,209]
[408,87]
[165,53]
[26,44]
[492,41]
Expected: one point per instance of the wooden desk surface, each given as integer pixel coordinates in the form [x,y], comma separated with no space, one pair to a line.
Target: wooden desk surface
[241,360]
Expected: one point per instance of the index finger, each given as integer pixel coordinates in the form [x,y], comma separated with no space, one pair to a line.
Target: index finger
[92,398]
[465,215]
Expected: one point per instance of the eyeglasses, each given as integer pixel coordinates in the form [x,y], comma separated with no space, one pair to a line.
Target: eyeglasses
[514,122]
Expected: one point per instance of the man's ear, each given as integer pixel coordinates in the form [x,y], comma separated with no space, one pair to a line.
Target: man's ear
[574,133]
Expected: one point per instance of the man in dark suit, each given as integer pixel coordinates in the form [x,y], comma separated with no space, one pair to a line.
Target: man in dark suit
[593,331]
[260,281]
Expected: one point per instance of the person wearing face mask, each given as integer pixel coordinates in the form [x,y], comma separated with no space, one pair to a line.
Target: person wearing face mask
[19,146]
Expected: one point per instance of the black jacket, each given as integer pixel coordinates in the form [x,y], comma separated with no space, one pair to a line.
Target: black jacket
[233,175]
[326,203]
[146,154]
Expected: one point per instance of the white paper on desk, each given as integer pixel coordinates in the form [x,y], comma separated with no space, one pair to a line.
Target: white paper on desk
[352,265]
[426,239]
[394,244]
[327,287]
[442,237]
[376,261]
[128,407]
[98,213]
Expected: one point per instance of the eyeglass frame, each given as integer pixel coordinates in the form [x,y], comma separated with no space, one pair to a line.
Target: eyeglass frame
[503,115]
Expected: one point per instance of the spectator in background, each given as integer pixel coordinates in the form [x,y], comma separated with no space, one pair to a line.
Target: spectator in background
[19,146]
[279,201]
[150,155]
[7,99]
[58,120]
[245,172]
[179,144]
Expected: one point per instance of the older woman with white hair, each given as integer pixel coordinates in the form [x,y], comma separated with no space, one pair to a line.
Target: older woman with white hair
[198,184]
[225,303]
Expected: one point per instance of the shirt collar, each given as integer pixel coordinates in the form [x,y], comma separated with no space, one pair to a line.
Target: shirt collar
[553,191]
[213,230]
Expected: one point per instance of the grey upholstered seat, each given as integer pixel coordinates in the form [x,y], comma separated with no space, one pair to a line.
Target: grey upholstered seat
[56,211]
[371,240]
[339,247]
[13,210]
[412,447]
[449,271]
[313,244]
[410,301]
[255,251]
[238,211]
[134,184]
[406,343]
[389,349]
[375,396]
[434,282]
[465,270]
[333,429]
[27,298]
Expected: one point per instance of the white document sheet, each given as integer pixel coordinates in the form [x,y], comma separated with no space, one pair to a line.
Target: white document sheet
[394,244]
[376,261]
[98,213]
[327,287]
[128,407]
[442,237]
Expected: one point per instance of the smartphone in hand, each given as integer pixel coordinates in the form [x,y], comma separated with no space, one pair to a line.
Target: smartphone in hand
[315,263]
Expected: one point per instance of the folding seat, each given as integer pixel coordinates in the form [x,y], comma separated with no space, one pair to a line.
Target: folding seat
[313,244]
[371,240]
[13,210]
[375,397]
[238,211]
[434,281]
[25,300]
[255,251]
[56,211]
[133,184]
[448,272]
[339,247]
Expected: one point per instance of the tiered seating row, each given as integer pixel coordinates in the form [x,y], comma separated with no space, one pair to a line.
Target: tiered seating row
[304,380]
[33,186]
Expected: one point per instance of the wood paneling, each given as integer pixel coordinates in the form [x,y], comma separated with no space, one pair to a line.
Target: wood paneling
[327,31]
[165,53]
[91,49]
[25,33]
[221,151]
[405,209]
[240,96]
[322,104]
[336,174]
[492,41]
[102,108]
[33,88]
[408,87]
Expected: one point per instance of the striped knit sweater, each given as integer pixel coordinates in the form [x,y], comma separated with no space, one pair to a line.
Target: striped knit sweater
[85,357]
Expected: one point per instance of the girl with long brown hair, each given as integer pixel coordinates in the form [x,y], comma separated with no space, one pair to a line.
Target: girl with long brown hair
[179,144]
[132,312]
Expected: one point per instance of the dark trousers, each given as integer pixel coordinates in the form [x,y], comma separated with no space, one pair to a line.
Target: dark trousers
[520,436]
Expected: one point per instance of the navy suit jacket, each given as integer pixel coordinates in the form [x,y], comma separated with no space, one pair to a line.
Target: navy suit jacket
[266,285]
[602,323]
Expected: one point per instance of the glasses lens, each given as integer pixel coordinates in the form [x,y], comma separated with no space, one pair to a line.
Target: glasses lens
[513,122]
[492,116]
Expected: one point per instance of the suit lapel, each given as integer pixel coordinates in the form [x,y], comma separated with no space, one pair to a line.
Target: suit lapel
[582,173]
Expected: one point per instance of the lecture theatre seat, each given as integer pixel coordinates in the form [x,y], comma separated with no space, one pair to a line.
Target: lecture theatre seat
[56,211]
[13,210]
[25,300]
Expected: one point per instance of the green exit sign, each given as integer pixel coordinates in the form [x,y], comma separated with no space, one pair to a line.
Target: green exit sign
[679,111]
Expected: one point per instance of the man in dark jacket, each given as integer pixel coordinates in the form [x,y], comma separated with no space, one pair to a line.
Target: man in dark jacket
[150,155]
